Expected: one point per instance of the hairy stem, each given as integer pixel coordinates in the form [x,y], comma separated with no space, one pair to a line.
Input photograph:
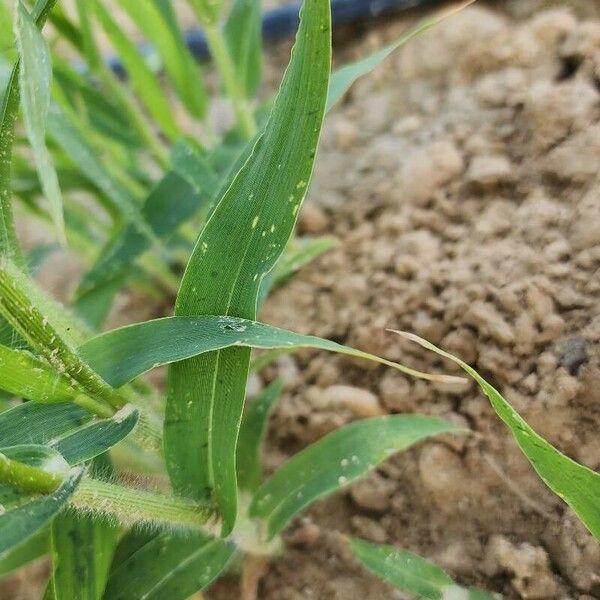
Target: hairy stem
[18,305]
[131,506]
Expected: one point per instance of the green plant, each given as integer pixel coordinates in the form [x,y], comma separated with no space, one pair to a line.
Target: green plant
[67,454]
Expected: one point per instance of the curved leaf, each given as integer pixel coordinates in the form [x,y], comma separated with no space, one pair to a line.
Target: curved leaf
[411,573]
[35,77]
[155,566]
[343,78]
[252,431]
[240,243]
[82,548]
[32,423]
[157,20]
[95,438]
[35,547]
[145,84]
[66,428]
[337,460]
[122,354]
[18,525]
[576,484]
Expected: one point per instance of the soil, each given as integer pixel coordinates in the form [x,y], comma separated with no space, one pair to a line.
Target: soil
[461,179]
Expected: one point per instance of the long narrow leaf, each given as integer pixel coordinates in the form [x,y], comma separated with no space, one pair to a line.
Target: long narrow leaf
[411,573]
[65,428]
[82,548]
[169,204]
[18,525]
[576,484]
[252,432]
[156,19]
[240,243]
[32,423]
[243,34]
[35,77]
[95,438]
[144,82]
[9,110]
[34,548]
[337,460]
[122,354]
[343,78]
[156,566]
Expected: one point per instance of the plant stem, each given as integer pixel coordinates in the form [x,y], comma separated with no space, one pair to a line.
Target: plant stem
[26,477]
[22,308]
[9,110]
[130,506]
[222,57]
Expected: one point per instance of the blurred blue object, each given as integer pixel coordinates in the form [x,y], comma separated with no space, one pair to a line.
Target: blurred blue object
[281,23]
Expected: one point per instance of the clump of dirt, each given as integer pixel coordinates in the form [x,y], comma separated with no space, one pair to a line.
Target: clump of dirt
[461,179]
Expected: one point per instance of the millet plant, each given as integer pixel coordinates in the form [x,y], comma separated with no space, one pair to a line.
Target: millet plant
[136,496]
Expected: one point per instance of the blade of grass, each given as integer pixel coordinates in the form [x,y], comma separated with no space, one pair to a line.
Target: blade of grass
[95,438]
[35,76]
[153,566]
[33,549]
[343,78]
[337,460]
[257,213]
[157,20]
[82,549]
[252,432]
[9,110]
[18,525]
[143,81]
[576,484]
[124,353]
[32,423]
[243,33]
[411,573]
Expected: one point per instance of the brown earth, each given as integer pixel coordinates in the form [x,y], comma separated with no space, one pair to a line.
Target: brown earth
[461,179]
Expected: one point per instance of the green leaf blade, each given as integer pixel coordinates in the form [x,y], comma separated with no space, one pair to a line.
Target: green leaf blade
[576,484]
[240,243]
[335,461]
[154,566]
[145,84]
[95,438]
[410,572]
[244,37]
[120,355]
[252,432]
[157,20]
[18,525]
[82,548]
[35,77]
[32,423]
